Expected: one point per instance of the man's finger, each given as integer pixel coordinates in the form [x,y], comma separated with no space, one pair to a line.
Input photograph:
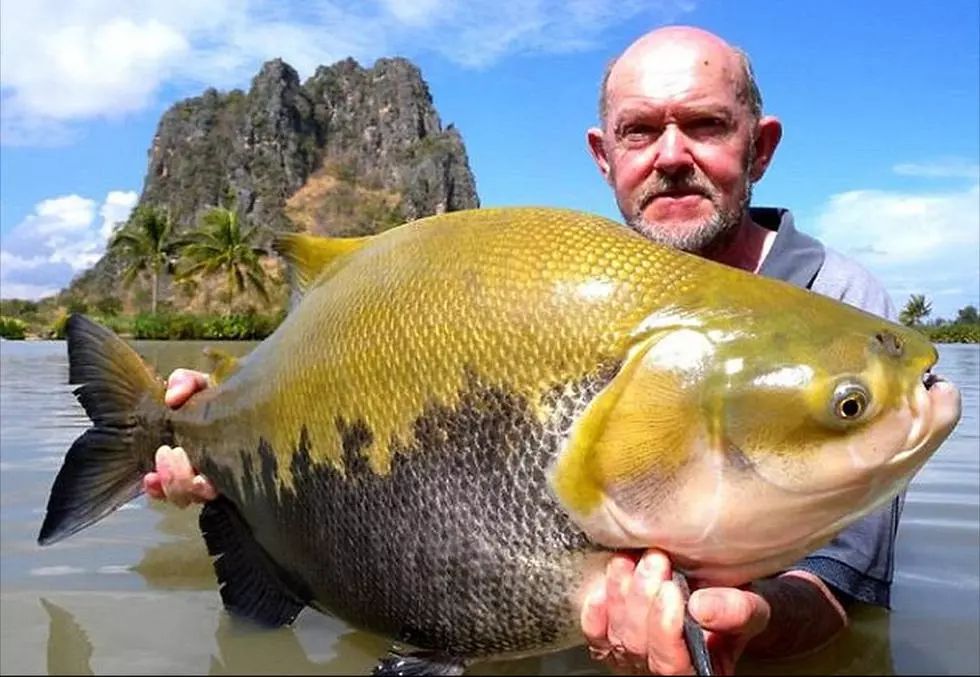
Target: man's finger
[182,384]
[203,489]
[594,618]
[729,610]
[651,571]
[619,574]
[667,653]
[176,475]
[152,486]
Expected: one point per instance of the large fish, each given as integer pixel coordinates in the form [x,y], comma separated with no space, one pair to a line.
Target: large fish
[464,415]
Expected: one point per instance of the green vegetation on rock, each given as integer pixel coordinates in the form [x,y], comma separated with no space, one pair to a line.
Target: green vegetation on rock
[12,328]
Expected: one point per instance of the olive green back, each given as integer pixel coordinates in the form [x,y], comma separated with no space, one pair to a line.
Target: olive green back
[523,299]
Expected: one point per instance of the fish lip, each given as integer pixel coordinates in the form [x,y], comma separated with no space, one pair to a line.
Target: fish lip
[927,406]
[929,379]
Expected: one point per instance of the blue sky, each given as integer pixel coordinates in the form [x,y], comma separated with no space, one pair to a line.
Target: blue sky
[879,103]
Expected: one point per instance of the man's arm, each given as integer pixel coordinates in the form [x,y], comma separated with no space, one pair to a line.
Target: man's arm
[805,616]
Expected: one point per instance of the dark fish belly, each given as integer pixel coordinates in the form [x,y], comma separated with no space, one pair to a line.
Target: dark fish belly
[461,547]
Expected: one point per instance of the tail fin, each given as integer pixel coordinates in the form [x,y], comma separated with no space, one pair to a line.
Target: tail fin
[104,467]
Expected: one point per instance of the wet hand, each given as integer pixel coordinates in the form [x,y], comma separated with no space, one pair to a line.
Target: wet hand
[174,479]
[182,384]
[633,618]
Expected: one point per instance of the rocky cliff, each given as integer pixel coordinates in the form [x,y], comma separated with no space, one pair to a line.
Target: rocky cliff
[350,151]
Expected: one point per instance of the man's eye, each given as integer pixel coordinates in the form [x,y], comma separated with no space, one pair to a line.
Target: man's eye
[638,132]
[708,126]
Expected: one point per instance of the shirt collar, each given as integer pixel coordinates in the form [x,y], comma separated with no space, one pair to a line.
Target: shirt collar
[794,257]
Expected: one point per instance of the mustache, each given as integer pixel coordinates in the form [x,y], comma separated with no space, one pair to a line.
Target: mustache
[663,184]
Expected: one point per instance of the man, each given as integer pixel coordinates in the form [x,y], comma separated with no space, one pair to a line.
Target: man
[682,140]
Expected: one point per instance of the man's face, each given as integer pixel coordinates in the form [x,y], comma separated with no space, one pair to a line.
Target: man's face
[679,144]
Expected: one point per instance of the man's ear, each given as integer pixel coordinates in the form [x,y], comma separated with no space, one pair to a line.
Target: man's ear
[768,132]
[597,149]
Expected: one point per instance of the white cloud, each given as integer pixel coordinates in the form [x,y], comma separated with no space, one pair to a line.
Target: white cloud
[945,168]
[60,238]
[67,214]
[62,62]
[915,242]
[415,12]
[115,210]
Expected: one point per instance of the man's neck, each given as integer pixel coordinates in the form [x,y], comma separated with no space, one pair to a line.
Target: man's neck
[747,248]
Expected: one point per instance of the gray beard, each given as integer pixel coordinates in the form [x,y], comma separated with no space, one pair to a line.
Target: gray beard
[710,235]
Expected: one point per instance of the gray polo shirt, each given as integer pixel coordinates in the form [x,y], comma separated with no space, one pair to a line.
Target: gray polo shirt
[859,562]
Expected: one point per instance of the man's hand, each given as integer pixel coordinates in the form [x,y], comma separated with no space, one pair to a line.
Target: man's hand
[174,479]
[633,618]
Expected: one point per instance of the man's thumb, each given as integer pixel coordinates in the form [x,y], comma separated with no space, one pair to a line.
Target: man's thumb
[729,610]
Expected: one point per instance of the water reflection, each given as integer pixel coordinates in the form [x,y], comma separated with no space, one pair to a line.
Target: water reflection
[69,650]
[182,563]
[279,651]
[245,648]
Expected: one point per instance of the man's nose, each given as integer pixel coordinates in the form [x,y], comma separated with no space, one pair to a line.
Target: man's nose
[672,154]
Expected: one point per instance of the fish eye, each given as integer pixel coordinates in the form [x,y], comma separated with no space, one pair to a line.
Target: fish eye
[850,401]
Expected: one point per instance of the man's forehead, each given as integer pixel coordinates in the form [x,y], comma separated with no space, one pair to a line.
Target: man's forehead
[674,70]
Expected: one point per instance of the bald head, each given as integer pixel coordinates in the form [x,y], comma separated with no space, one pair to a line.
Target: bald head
[677,47]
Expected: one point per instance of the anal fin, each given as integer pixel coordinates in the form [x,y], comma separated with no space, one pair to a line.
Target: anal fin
[398,664]
[251,583]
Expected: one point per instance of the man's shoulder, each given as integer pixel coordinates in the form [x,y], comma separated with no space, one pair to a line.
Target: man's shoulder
[843,278]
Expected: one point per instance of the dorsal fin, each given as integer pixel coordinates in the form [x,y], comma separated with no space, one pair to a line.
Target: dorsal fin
[309,255]
[223,364]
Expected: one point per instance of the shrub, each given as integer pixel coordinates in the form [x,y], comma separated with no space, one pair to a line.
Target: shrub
[118,324]
[57,328]
[108,306]
[18,308]
[182,326]
[958,332]
[12,328]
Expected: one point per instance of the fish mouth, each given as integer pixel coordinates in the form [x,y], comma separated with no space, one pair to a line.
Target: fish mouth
[929,379]
[936,407]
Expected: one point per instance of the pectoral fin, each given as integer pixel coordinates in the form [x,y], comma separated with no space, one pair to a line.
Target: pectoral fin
[223,364]
[635,434]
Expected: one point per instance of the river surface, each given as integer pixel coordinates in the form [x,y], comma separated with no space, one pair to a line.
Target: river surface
[135,594]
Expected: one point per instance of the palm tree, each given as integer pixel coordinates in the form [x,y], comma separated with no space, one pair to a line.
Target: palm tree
[916,309]
[145,245]
[221,246]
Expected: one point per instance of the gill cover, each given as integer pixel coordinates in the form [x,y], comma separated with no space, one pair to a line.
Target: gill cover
[633,437]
